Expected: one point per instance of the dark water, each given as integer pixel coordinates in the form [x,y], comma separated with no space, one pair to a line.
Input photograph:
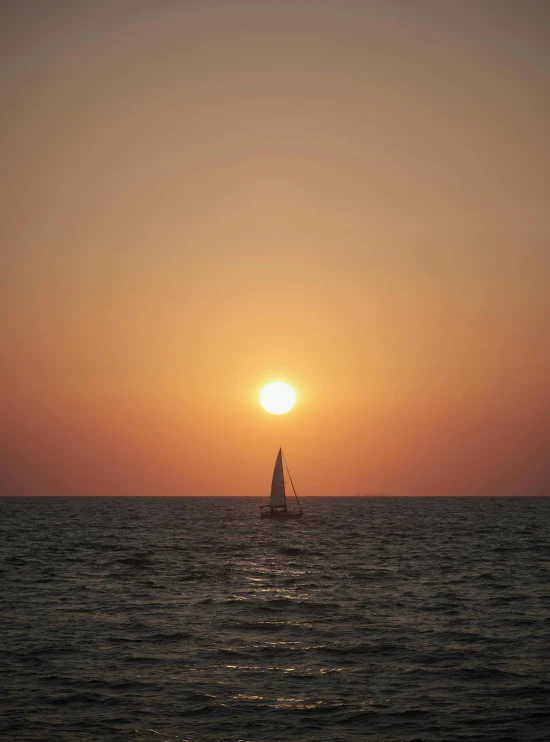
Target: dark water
[192,619]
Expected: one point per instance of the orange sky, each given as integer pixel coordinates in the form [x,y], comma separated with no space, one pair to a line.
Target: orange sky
[201,197]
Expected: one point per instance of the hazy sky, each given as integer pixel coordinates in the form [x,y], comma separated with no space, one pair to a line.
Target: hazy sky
[203,196]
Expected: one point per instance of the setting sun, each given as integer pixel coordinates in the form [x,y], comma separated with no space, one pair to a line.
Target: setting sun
[277,398]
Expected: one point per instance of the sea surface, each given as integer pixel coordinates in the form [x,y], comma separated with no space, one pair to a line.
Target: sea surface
[379,619]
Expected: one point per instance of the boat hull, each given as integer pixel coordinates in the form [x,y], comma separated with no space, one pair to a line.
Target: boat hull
[278,516]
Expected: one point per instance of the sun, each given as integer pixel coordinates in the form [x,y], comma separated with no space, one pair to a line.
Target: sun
[277,398]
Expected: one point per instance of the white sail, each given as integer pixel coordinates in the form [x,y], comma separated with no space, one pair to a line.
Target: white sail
[278,498]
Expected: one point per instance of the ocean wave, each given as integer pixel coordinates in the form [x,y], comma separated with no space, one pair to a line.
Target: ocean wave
[399,624]
[137,560]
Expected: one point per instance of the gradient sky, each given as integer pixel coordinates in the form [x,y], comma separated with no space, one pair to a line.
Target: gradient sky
[349,195]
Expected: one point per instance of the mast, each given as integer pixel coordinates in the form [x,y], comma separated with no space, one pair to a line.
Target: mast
[291,482]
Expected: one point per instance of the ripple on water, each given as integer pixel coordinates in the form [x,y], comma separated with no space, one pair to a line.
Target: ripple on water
[192,619]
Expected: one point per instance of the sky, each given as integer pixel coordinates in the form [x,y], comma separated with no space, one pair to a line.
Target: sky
[203,196]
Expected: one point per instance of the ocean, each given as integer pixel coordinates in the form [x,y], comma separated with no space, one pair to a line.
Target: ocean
[190,619]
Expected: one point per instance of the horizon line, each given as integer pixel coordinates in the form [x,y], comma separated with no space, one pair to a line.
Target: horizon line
[263,497]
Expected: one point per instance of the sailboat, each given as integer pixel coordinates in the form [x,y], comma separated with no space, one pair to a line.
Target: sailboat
[277,507]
